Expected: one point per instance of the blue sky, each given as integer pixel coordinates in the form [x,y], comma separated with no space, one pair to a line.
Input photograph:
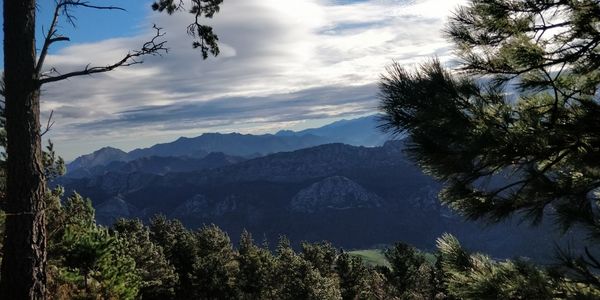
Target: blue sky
[284,64]
[113,23]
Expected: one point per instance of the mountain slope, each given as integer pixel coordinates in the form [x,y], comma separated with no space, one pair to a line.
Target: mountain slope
[159,165]
[275,178]
[355,197]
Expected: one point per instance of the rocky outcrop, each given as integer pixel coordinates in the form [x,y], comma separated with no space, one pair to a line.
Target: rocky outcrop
[335,192]
[317,162]
[98,158]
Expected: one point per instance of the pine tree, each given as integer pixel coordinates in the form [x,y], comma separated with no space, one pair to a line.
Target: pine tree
[410,274]
[181,250]
[116,273]
[54,167]
[158,277]
[477,276]
[98,261]
[24,249]
[216,267]
[353,276]
[255,279]
[321,255]
[514,131]
[298,279]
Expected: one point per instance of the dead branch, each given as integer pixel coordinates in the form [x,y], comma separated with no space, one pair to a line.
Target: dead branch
[152,47]
[67,5]
[49,124]
[63,7]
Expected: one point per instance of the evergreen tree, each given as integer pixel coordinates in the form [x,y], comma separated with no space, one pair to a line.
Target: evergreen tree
[477,276]
[321,255]
[255,279]
[409,275]
[216,267]
[86,260]
[515,131]
[180,249]
[74,217]
[377,287]
[116,273]
[98,261]
[24,249]
[353,276]
[78,212]
[158,277]
[298,279]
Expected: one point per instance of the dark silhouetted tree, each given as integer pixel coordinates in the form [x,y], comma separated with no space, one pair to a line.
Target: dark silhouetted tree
[24,250]
[515,130]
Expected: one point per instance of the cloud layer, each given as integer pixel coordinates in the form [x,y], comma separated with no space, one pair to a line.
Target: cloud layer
[282,63]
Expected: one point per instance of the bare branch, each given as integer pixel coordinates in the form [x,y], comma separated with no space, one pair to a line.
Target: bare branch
[48,40]
[88,5]
[67,5]
[49,124]
[152,47]
[63,7]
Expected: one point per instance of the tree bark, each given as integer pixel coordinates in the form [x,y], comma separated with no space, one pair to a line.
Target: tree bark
[23,269]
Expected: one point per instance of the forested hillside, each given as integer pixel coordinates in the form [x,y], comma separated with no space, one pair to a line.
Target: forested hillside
[166,260]
[354,197]
[477,176]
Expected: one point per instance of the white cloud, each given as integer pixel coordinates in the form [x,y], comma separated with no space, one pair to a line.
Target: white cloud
[306,49]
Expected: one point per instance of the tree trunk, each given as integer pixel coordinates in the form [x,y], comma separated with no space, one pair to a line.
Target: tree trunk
[23,269]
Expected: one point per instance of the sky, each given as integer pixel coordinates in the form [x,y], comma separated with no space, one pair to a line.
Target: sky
[284,64]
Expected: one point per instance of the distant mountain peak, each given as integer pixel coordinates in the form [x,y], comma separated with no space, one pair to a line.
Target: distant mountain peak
[109,148]
[358,132]
[99,157]
[363,131]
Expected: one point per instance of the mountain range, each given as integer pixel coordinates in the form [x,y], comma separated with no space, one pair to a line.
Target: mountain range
[305,185]
[360,132]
